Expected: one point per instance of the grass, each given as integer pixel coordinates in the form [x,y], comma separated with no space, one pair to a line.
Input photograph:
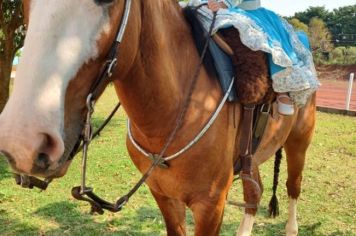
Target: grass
[327,205]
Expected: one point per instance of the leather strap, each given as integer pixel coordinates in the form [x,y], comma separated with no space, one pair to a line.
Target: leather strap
[251,188]
[245,158]
[246,139]
[30,182]
[85,193]
[222,44]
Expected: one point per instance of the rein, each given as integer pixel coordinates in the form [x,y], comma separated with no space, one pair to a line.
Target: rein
[191,143]
[85,193]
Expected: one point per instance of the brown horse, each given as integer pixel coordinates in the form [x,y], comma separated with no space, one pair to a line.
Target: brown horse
[67,42]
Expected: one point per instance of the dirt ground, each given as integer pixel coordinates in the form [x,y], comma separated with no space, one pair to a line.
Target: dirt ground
[335,83]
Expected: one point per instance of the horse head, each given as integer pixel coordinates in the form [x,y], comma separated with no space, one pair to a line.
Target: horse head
[66,45]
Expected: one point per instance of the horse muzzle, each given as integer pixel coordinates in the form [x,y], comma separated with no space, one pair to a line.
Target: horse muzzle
[33,153]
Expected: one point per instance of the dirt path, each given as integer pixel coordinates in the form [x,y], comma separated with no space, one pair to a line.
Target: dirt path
[332,94]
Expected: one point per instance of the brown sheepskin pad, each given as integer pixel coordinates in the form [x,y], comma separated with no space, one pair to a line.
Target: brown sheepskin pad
[251,70]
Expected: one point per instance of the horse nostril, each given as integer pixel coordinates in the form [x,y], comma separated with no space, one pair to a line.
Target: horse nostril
[42,162]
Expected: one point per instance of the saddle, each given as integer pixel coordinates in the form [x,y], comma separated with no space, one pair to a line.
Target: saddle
[228,57]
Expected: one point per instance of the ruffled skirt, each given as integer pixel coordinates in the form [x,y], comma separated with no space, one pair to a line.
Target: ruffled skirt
[291,62]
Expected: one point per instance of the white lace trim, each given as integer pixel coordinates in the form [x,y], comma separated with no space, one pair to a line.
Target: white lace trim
[251,34]
[299,80]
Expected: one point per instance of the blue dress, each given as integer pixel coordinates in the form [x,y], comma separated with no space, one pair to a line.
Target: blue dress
[291,63]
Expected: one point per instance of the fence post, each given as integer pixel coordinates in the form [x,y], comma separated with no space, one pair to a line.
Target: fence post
[349,91]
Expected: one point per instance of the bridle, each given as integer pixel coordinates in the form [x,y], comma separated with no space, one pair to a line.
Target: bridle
[95,90]
[83,192]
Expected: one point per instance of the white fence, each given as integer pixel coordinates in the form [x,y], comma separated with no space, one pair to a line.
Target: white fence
[349,91]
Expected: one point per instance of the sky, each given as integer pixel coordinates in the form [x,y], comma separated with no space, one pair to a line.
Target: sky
[289,7]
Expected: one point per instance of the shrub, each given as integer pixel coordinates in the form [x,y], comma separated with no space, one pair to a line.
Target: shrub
[338,56]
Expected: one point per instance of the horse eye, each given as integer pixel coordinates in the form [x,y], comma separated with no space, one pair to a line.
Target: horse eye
[102,2]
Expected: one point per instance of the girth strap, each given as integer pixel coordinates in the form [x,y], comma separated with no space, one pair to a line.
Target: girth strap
[246,138]
[243,166]
[245,159]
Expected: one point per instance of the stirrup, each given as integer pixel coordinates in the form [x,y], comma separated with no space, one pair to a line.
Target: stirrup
[283,108]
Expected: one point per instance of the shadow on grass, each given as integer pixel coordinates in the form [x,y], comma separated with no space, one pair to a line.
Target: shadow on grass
[278,229]
[145,221]
[71,221]
[4,168]
[67,219]
[9,226]
[304,230]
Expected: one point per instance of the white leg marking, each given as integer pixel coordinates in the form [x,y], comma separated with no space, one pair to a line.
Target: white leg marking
[292,225]
[246,225]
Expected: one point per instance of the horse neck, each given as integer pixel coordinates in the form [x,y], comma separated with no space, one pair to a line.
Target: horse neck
[154,89]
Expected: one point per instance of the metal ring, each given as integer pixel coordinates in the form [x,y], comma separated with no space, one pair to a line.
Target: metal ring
[112,64]
[90,101]
[263,108]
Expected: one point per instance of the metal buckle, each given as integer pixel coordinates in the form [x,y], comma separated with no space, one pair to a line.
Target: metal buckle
[90,102]
[112,65]
[268,108]
[84,190]
[120,203]
[25,181]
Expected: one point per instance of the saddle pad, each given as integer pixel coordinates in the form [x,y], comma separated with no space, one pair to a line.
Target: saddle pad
[216,60]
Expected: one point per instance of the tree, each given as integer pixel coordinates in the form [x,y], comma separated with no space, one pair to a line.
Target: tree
[298,25]
[319,12]
[342,24]
[320,40]
[12,34]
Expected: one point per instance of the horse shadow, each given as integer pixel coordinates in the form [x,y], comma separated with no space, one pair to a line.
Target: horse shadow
[278,229]
[9,226]
[269,229]
[304,230]
[144,221]
[4,168]
[71,221]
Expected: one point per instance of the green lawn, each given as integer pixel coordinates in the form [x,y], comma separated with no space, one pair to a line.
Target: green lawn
[327,205]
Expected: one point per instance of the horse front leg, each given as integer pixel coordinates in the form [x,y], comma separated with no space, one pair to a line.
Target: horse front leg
[208,213]
[208,216]
[173,212]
